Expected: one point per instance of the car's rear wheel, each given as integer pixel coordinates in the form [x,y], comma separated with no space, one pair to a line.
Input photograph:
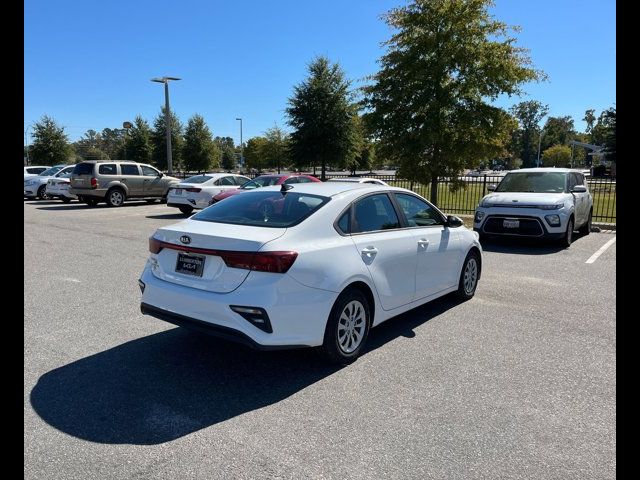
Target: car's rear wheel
[347,328]
[567,238]
[469,276]
[186,209]
[115,197]
[42,193]
[586,228]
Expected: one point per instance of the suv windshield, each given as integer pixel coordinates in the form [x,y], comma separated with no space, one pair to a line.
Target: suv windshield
[537,182]
[260,182]
[263,209]
[198,179]
[50,172]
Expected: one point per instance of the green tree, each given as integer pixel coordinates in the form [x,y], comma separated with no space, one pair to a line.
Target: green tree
[276,149]
[589,118]
[321,115]
[429,103]
[200,152]
[112,142]
[139,145]
[50,144]
[558,131]
[524,141]
[254,153]
[610,136]
[228,158]
[224,141]
[557,156]
[159,141]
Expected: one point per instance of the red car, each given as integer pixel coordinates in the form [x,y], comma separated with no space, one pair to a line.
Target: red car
[264,181]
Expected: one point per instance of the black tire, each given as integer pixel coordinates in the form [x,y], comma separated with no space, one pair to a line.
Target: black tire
[115,197]
[469,276]
[42,193]
[586,228]
[354,304]
[92,202]
[65,199]
[186,209]
[567,238]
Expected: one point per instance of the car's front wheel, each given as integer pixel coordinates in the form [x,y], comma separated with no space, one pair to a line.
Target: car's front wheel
[469,276]
[186,209]
[567,238]
[347,328]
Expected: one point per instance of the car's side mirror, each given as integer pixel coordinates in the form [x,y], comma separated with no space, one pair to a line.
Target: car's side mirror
[454,222]
[579,189]
[160,174]
[491,188]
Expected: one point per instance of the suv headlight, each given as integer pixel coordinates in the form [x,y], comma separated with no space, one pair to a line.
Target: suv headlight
[479,216]
[551,207]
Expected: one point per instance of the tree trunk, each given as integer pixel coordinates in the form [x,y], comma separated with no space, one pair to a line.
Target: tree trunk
[434,190]
[322,174]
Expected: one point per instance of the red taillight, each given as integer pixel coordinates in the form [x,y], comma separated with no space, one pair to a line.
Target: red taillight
[274,262]
[94,182]
[194,190]
[155,245]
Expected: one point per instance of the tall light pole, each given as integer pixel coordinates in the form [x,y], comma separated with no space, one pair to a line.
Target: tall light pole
[167,117]
[26,141]
[241,145]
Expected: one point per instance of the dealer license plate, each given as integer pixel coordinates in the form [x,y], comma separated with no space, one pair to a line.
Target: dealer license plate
[190,264]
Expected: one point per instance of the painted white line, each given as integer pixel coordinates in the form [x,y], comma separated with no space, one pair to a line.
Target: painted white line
[595,256]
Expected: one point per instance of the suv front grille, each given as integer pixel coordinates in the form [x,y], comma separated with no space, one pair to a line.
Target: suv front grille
[530,227]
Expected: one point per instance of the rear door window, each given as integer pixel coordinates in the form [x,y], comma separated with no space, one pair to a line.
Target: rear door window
[226,181]
[129,169]
[107,169]
[374,213]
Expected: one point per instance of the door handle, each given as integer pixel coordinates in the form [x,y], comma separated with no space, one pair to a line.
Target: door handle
[423,242]
[370,252]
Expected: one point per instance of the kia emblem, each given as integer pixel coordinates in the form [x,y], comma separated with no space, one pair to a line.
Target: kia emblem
[185,239]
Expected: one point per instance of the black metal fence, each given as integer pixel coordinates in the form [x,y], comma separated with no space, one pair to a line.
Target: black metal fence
[465,199]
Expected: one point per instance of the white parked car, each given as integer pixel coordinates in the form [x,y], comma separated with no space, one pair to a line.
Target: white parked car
[538,203]
[196,192]
[35,187]
[327,263]
[374,181]
[33,170]
[58,187]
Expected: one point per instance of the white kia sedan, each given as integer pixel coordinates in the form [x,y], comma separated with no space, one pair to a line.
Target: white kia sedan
[36,186]
[196,192]
[323,265]
[59,188]
[537,203]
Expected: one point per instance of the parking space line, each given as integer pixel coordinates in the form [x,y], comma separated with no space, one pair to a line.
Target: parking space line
[600,251]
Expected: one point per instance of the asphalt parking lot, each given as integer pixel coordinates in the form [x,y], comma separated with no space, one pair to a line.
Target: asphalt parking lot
[517,383]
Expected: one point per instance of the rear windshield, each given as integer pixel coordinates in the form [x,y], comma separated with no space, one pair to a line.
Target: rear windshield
[536,182]
[36,170]
[263,209]
[50,172]
[197,179]
[260,182]
[83,169]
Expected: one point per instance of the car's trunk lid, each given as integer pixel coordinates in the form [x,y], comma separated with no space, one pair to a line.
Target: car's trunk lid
[199,244]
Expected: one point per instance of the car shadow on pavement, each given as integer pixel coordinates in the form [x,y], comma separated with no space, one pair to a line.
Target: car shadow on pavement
[164,386]
[170,216]
[523,246]
[83,206]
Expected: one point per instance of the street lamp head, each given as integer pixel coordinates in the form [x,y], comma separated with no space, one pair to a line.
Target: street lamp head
[164,79]
[239,119]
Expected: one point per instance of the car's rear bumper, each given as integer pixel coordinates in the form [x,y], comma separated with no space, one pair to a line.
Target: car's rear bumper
[298,314]
[86,192]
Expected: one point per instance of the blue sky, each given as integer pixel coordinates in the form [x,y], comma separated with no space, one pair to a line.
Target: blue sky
[88,64]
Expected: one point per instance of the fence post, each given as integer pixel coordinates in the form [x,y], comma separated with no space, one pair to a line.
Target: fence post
[484,185]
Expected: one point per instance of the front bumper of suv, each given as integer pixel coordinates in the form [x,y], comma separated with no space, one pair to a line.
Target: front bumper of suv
[532,223]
